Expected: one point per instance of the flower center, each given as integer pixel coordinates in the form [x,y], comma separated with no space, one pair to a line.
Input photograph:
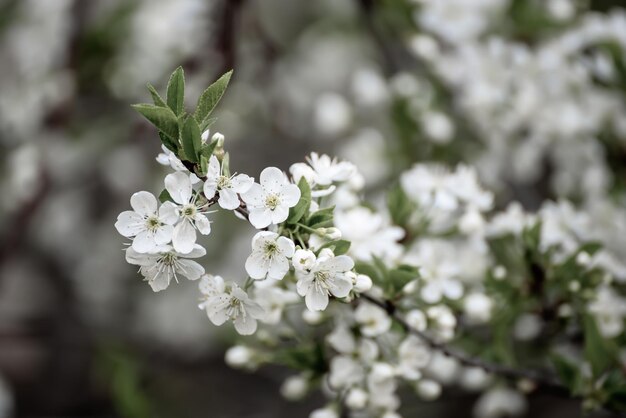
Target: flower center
[189,211]
[272,201]
[271,249]
[153,223]
[321,281]
[223,182]
[235,308]
[168,259]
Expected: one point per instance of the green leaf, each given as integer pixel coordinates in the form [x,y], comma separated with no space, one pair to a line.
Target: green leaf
[210,97]
[399,277]
[297,212]
[156,98]
[192,142]
[206,123]
[176,91]
[207,149]
[169,143]
[323,218]
[399,205]
[371,271]
[204,165]
[600,352]
[164,196]
[339,247]
[161,117]
[568,372]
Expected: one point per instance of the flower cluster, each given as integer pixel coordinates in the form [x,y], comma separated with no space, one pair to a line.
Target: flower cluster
[364,299]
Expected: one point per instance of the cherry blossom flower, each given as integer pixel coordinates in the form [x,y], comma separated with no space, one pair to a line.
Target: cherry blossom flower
[326,277]
[269,201]
[160,267]
[227,187]
[150,227]
[270,254]
[229,302]
[180,189]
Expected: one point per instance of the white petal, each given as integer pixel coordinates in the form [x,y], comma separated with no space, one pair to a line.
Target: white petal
[254,196]
[144,203]
[245,325]
[280,214]
[316,301]
[278,268]
[339,263]
[184,237]
[144,242]
[228,199]
[178,186]
[189,269]
[160,281]
[130,223]
[340,287]
[214,168]
[286,246]
[453,289]
[260,218]
[431,293]
[209,188]
[198,251]
[138,259]
[163,234]
[256,266]
[272,180]
[203,224]
[304,284]
[168,213]
[241,183]
[216,308]
[290,195]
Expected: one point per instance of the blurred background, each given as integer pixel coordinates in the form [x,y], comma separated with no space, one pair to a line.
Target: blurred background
[530,91]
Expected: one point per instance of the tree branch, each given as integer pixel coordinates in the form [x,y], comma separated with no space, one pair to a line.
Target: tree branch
[548,383]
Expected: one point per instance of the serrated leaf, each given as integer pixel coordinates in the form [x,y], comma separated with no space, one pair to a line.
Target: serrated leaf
[164,196]
[176,91]
[210,97]
[206,123]
[322,218]
[192,142]
[156,98]
[161,117]
[169,143]
[297,212]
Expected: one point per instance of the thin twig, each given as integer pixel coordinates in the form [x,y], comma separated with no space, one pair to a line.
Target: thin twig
[546,382]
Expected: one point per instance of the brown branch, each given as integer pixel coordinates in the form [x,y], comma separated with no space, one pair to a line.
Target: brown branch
[548,383]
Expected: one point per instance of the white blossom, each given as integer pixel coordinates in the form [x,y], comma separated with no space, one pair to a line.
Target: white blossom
[326,277]
[190,213]
[150,225]
[228,188]
[270,256]
[269,201]
[160,267]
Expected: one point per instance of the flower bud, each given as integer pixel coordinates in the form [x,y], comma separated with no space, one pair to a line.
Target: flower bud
[312,317]
[294,388]
[362,283]
[330,233]
[303,260]
[416,320]
[429,390]
[324,413]
[239,356]
[219,138]
[357,398]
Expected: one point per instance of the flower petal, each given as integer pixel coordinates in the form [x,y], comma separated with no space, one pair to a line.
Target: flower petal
[272,180]
[280,214]
[160,281]
[241,183]
[202,223]
[290,195]
[245,325]
[163,234]
[178,186]
[209,188]
[278,268]
[340,286]
[130,223]
[228,199]
[254,196]
[184,237]
[287,246]
[144,203]
[168,213]
[260,218]
[256,265]
[144,242]
[189,269]
[316,300]
[213,171]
